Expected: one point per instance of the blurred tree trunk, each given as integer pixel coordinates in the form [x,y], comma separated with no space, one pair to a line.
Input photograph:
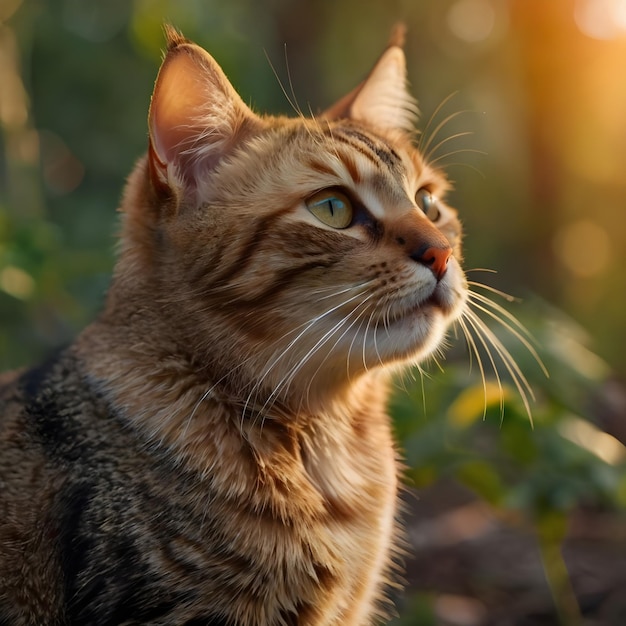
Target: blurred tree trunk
[298,29]
[537,23]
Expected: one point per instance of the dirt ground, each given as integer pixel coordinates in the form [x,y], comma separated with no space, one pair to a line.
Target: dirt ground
[482,570]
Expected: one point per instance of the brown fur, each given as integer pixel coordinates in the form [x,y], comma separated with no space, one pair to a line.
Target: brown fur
[214,449]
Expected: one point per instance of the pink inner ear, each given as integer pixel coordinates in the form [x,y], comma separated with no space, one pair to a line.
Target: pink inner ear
[196,117]
[176,109]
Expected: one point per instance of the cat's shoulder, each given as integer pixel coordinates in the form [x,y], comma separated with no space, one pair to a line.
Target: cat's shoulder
[34,400]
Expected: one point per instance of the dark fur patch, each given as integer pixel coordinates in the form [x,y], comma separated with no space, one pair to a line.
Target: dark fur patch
[213,620]
[32,381]
[56,429]
[74,544]
[133,608]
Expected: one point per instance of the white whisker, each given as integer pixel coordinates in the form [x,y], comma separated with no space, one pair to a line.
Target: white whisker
[343,334]
[508,297]
[288,378]
[509,362]
[356,334]
[428,135]
[444,141]
[515,327]
[473,349]
[459,151]
[480,331]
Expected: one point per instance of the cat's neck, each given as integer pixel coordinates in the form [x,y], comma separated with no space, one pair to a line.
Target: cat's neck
[171,397]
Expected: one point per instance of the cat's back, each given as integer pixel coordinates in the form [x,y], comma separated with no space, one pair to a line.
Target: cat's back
[74,488]
[28,483]
[96,521]
[12,401]
[31,403]
[62,457]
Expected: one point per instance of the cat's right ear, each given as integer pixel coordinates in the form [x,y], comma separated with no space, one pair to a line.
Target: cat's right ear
[196,118]
[382,99]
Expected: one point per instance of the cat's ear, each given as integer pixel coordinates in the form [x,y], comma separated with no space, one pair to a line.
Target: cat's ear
[382,99]
[196,118]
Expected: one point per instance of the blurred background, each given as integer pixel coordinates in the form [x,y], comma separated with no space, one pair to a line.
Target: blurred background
[523,103]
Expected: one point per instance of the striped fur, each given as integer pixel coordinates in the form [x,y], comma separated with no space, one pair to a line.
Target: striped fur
[214,449]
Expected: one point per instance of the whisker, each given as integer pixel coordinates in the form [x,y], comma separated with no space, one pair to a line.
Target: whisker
[291,89]
[343,334]
[292,104]
[469,166]
[479,329]
[356,334]
[291,374]
[375,328]
[444,141]
[288,379]
[488,270]
[515,327]
[425,133]
[522,384]
[478,297]
[459,151]
[498,292]
[473,348]
[435,358]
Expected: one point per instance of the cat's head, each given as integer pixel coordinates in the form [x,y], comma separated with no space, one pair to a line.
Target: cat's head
[294,254]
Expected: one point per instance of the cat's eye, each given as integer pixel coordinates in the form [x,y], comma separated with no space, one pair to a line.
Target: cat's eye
[428,204]
[331,207]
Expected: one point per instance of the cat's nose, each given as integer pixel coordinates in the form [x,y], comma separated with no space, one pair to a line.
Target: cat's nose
[433,257]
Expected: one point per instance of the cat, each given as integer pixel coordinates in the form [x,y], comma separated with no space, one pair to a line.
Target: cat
[214,449]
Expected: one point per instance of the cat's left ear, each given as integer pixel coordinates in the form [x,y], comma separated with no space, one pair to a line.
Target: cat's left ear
[382,99]
[196,119]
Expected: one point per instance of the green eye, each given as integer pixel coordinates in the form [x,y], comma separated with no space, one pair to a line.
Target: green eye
[428,203]
[331,207]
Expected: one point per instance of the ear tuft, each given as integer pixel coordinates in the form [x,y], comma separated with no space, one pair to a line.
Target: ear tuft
[398,35]
[173,37]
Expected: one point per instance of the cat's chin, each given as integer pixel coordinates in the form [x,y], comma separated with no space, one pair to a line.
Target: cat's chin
[416,335]
[417,330]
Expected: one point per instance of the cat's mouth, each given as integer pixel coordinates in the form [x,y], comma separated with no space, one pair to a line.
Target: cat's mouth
[439,301]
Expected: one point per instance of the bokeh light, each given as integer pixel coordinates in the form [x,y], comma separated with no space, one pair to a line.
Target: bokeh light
[584,248]
[601,19]
[471,20]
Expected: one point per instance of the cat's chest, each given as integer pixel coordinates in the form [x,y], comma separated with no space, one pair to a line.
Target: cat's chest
[313,541]
[311,530]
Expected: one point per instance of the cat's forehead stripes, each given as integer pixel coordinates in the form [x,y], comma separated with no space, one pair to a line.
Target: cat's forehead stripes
[369,147]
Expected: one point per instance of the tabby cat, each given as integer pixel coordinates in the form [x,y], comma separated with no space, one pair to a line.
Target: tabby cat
[214,449]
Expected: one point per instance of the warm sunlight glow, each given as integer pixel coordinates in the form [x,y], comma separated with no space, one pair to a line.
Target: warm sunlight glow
[471,20]
[13,107]
[583,247]
[8,8]
[601,19]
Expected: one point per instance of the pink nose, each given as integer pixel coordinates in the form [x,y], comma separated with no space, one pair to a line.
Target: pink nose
[434,258]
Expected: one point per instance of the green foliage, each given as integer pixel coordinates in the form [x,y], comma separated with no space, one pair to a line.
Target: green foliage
[487,441]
